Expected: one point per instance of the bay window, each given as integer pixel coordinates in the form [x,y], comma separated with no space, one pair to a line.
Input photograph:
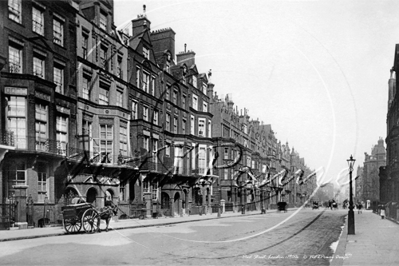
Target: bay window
[16,120]
[38,66]
[62,134]
[106,141]
[41,125]
[15,58]
[59,79]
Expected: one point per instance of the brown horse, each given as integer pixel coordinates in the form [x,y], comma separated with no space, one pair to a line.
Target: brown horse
[106,214]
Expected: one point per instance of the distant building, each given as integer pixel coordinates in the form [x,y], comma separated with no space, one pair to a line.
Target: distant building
[369,185]
[389,175]
[358,184]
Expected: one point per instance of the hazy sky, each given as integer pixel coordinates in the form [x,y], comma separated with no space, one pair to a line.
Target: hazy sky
[317,71]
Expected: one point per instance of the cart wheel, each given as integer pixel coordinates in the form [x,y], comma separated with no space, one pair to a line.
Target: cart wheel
[89,220]
[72,225]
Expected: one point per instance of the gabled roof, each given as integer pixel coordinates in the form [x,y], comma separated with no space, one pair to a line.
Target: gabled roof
[204,77]
[144,36]
[135,41]
[193,69]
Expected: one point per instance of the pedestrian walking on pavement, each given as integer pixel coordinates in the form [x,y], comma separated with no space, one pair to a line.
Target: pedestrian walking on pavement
[382,212]
[360,208]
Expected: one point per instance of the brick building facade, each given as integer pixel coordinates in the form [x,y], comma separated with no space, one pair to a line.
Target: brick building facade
[88,110]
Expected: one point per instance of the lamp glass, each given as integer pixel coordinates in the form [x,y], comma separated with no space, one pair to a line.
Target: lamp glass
[351,163]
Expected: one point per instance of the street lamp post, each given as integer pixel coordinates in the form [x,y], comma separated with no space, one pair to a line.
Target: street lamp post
[242,197]
[220,199]
[351,215]
[44,210]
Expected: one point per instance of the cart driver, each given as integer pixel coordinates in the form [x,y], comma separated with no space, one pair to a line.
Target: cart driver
[108,199]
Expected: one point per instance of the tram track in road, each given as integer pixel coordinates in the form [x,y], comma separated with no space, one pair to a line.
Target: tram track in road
[284,238]
[301,233]
[262,250]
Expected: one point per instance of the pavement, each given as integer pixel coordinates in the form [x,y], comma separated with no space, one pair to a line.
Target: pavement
[375,241]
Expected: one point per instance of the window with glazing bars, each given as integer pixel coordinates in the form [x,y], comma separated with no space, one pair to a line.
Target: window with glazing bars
[15,59]
[85,44]
[16,120]
[104,57]
[103,96]
[42,142]
[58,32]
[119,98]
[59,79]
[134,110]
[37,20]
[14,10]
[86,88]
[62,134]
[38,66]
[119,67]
[123,140]
[106,141]
[42,184]
[103,20]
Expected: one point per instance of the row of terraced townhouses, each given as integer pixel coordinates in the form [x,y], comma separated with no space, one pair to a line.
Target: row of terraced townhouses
[89,111]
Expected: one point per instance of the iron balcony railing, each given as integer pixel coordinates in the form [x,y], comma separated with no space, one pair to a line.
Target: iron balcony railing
[7,138]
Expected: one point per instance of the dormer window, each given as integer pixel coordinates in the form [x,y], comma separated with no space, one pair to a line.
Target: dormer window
[103,20]
[204,87]
[146,53]
[167,63]
[184,74]
[194,81]
[245,128]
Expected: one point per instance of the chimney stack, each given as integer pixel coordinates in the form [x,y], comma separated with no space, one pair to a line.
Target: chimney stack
[141,23]
[186,57]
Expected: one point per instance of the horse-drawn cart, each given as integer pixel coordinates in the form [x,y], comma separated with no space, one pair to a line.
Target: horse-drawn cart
[82,214]
[282,206]
[76,216]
